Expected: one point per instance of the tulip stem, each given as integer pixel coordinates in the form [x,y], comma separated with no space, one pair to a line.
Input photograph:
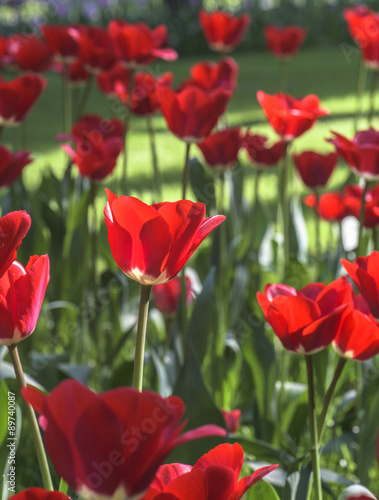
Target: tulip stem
[284,206]
[362,218]
[255,208]
[1,131]
[84,98]
[67,116]
[154,157]
[141,337]
[361,84]
[317,228]
[283,75]
[127,109]
[328,397]
[374,82]
[31,416]
[313,429]
[186,171]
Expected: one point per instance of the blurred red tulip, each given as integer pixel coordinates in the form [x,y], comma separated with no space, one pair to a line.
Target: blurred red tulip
[40,494]
[330,207]
[210,75]
[96,49]
[363,26]
[21,296]
[307,320]
[12,164]
[114,83]
[261,155]
[144,96]
[17,97]
[220,149]
[213,477]
[315,168]
[365,274]
[5,58]
[117,453]
[223,32]
[29,53]
[362,153]
[191,113]
[353,201]
[151,243]
[357,492]
[77,73]
[62,41]
[353,17]
[167,295]
[95,129]
[284,42]
[137,45]
[13,228]
[232,420]
[290,117]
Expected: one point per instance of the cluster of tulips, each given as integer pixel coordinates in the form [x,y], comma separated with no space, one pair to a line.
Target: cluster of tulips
[113,445]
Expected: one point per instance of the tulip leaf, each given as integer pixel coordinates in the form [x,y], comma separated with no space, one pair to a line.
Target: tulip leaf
[7,371]
[298,235]
[203,185]
[77,372]
[263,451]
[262,489]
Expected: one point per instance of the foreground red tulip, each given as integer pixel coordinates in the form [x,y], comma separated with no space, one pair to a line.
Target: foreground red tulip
[117,453]
[263,156]
[167,295]
[315,168]
[307,320]
[29,53]
[13,228]
[213,477]
[330,206]
[96,49]
[137,45]
[151,243]
[40,494]
[362,153]
[223,31]
[220,150]
[17,97]
[365,274]
[290,117]
[210,75]
[191,113]
[284,42]
[21,296]
[12,164]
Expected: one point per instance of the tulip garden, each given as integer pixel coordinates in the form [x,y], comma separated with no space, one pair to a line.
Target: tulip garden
[189,281]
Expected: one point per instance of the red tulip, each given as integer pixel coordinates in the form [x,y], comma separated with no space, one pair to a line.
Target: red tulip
[95,129]
[96,49]
[364,273]
[284,42]
[191,113]
[353,201]
[260,155]
[307,320]
[63,41]
[220,150]
[137,45]
[330,207]
[290,117]
[77,73]
[13,228]
[12,164]
[17,98]
[353,17]
[5,58]
[151,244]
[210,75]
[29,53]
[232,420]
[357,492]
[167,295]
[315,168]
[117,453]
[363,26]
[362,153]
[213,477]
[114,83]
[144,96]
[223,31]
[40,494]
[21,296]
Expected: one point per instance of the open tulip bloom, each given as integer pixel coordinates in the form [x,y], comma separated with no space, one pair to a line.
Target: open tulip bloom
[284,42]
[13,228]
[223,31]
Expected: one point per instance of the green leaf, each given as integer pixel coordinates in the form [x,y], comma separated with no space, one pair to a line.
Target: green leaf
[262,489]
[263,451]
[203,185]
[7,371]
[298,234]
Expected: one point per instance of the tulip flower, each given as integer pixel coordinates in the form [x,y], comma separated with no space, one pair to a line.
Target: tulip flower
[330,206]
[284,42]
[114,83]
[260,155]
[306,320]
[290,117]
[167,295]
[77,73]
[13,228]
[137,45]
[40,494]
[62,41]
[363,26]
[214,476]
[5,58]
[29,53]
[95,129]
[354,199]
[220,149]
[232,419]
[21,296]
[353,17]
[118,453]
[12,164]
[223,32]
[144,97]
[357,492]
[17,97]
[315,168]
[210,75]
[96,49]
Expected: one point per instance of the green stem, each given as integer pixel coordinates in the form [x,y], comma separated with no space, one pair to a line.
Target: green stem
[141,337]
[374,82]
[31,416]
[154,157]
[361,84]
[255,207]
[222,247]
[283,75]
[186,171]
[93,233]
[1,131]
[317,228]
[313,429]
[84,99]
[127,109]
[362,217]
[284,206]
[329,396]
[67,116]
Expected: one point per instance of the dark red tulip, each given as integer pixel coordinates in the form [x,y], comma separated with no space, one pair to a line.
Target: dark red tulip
[137,45]
[144,95]
[12,164]
[306,320]
[215,476]
[40,494]
[151,243]
[191,113]
[13,228]
[167,295]
[77,73]
[29,53]
[5,58]
[96,49]
[62,41]
[220,149]
[118,453]
[223,32]
[232,419]
[211,75]
[361,153]
[365,274]
[315,168]
[114,83]
[21,295]
[95,129]
[353,201]
[284,42]
[17,97]
[290,117]
[330,207]
[261,155]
